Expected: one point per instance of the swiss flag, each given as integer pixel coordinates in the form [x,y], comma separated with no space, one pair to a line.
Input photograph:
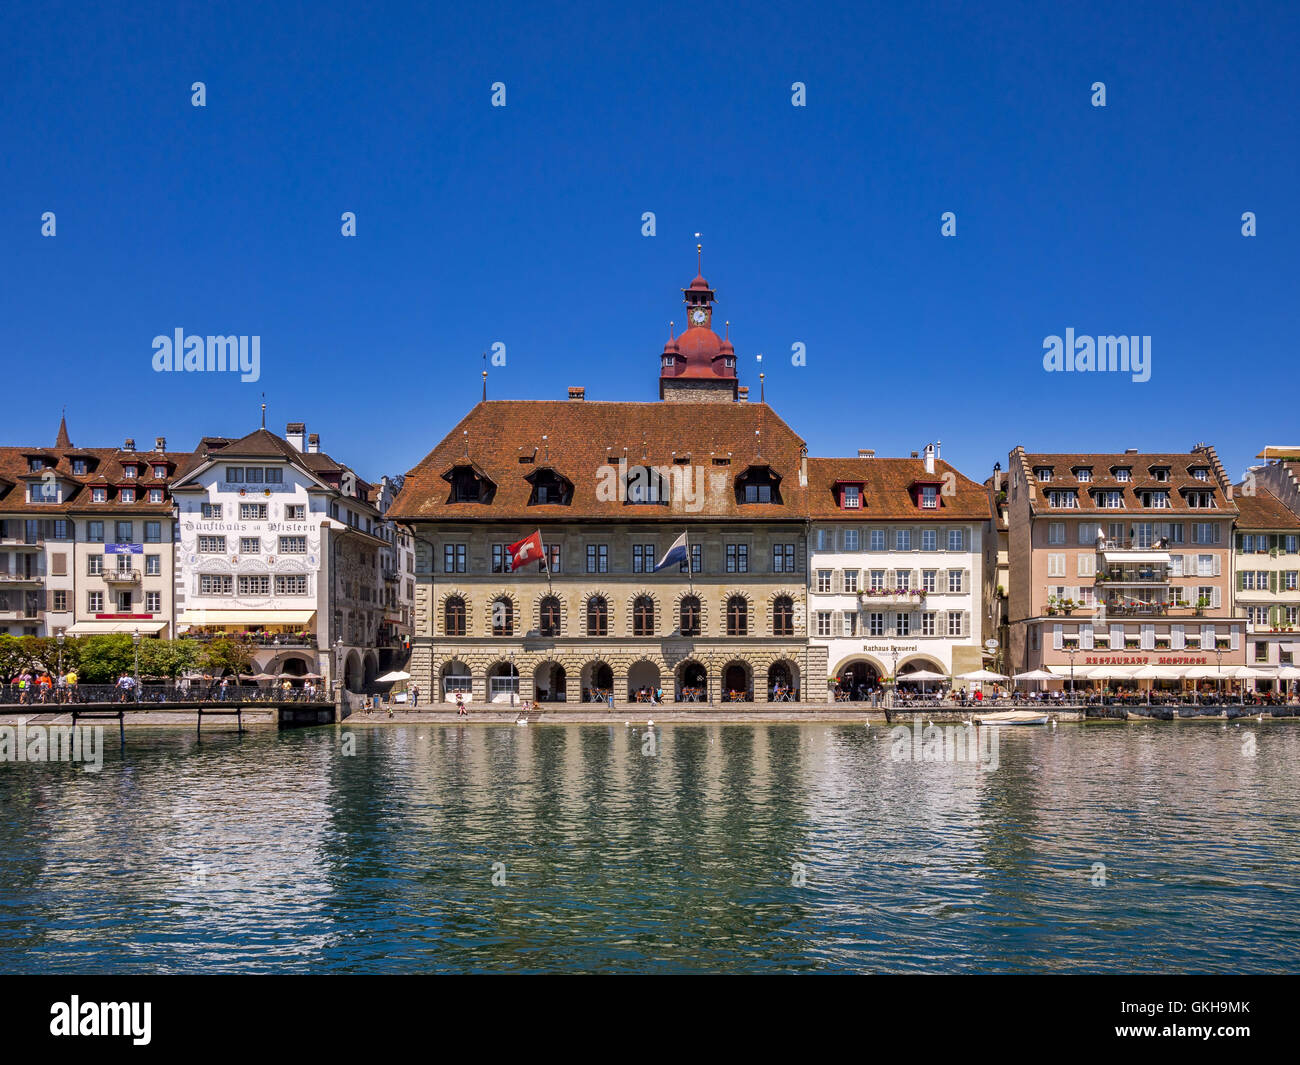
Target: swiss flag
[529,549]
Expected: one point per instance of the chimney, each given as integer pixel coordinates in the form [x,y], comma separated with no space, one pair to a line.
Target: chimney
[160,443]
[929,459]
[129,445]
[294,432]
[915,455]
[1130,451]
[313,443]
[866,452]
[577,393]
[742,393]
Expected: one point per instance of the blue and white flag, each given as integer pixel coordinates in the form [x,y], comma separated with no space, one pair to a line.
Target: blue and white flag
[676,553]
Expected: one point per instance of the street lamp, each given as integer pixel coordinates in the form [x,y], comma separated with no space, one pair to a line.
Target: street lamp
[1072,650]
[514,677]
[1218,651]
[135,642]
[59,638]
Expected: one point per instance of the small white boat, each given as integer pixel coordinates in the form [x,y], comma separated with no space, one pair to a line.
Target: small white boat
[1012,717]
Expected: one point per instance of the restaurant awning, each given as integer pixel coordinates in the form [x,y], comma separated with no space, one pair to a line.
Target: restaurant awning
[1136,556]
[1079,671]
[246,617]
[99,628]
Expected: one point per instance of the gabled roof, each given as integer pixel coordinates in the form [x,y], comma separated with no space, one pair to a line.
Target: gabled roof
[887,490]
[1180,465]
[1264,510]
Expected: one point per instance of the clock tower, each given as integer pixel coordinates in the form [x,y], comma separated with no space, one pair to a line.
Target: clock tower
[698,366]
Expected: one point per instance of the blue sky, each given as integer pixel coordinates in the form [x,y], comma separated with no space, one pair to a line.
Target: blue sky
[522,224]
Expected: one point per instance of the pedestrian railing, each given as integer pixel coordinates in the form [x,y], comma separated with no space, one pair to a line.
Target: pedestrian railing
[157,694]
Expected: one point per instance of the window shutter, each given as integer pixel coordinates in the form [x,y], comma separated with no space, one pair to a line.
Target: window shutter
[1177,638]
[1086,641]
[1207,637]
[1148,637]
[1218,566]
[837,580]
[1272,581]
[1116,637]
[1216,599]
[1236,638]
[1058,637]
[1241,580]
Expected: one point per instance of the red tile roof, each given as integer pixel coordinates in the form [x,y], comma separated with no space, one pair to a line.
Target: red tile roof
[1264,510]
[887,490]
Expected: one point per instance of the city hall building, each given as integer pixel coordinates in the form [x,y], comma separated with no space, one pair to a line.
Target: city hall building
[611,485]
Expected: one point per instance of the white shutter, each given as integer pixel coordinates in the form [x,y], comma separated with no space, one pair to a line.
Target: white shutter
[1148,637]
[1086,638]
[1218,565]
[1116,637]
[837,581]
[1058,637]
[1216,598]
[1236,638]
[1207,637]
[1177,638]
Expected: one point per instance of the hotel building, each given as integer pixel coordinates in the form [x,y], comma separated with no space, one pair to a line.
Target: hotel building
[1121,560]
[86,539]
[896,567]
[279,543]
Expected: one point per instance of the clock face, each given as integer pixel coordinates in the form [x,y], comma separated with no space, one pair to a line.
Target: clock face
[699,316]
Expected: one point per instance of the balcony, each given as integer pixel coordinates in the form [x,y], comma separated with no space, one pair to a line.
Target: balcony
[21,578]
[257,639]
[1141,576]
[121,576]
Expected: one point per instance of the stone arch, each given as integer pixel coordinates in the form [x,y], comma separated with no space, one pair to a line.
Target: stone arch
[550,681]
[737,679]
[595,673]
[751,619]
[694,674]
[500,671]
[859,670]
[440,611]
[296,664]
[460,676]
[920,660]
[681,597]
[587,597]
[630,621]
[783,673]
[489,604]
[370,667]
[353,672]
[795,595]
[645,672]
[536,621]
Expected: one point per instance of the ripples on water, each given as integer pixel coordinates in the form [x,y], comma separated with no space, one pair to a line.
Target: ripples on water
[275,852]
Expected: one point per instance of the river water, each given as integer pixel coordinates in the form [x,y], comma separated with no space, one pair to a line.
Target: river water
[1155,847]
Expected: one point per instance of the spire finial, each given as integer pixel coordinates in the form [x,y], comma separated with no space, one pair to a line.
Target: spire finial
[728,332]
[699,256]
[263,410]
[485,377]
[671,325]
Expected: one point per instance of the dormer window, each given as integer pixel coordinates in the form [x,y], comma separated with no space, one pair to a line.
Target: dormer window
[850,498]
[79,466]
[1043,473]
[130,470]
[1200,473]
[43,492]
[1200,499]
[929,497]
[469,485]
[729,361]
[669,362]
[160,471]
[1123,474]
[35,465]
[127,495]
[155,495]
[1156,500]
[549,489]
[99,495]
[1066,498]
[645,485]
[1160,473]
[1083,473]
[758,484]
[1113,500]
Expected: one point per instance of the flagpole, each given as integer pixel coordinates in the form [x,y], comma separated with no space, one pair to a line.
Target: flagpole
[690,569]
[546,562]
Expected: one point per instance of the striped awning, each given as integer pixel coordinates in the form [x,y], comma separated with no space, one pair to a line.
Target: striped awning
[99,628]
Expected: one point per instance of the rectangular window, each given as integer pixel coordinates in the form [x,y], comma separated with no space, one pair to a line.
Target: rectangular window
[902,624]
[274,475]
[94,565]
[551,562]
[293,545]
[783,558]
[153,565]
[250,545]
[927,623]
[929,580]
[903,579]
[95,532]
[1056,564]
[215,584]
[153,532]
[643,558]
[124,603]
[851,580]
[252,511]
[235,474]
[824,581]
[929,497]
[1056,532]
[155,495]
[956,539]
[929,540]
[60,601]
[876,623]
[95,602]
[211,511]
[152,602]
[851,500]
[291,584]
[597,558]
[902,539]
[737,558]
[877,579]
[850,539]
[954,623]
[124,531]
[823,623]
[212,545]
[955,580]
[697,560]
[850,623]
[295,512]
[255,584]
[877,539]
[453,558]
